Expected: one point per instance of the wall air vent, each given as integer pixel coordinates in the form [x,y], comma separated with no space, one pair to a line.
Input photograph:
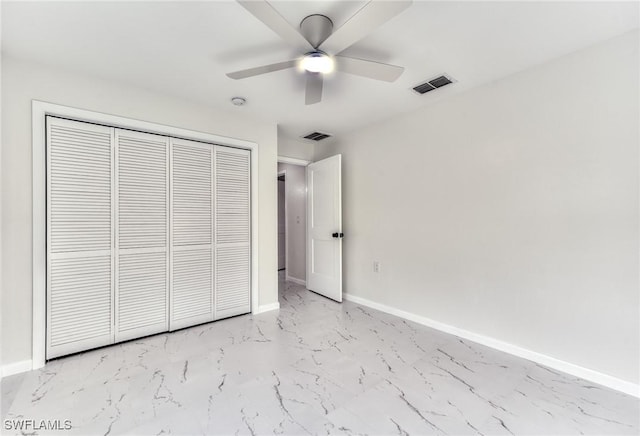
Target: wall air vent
[316,136]
[432,84]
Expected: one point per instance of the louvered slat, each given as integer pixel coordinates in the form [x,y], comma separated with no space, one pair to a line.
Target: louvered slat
[232,280]
[191,233]
[81,305]
[232,196]
[192,286]
[80,236]
[142,286]
[142,294]
[79,186]
[142,190]
[233,232]
[192,187]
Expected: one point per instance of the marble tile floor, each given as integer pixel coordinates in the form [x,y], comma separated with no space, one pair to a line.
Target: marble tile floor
[313,367]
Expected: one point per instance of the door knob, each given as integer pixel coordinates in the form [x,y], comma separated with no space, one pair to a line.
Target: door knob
[338,235]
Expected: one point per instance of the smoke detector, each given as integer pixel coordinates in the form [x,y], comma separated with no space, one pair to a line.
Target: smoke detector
[238,101]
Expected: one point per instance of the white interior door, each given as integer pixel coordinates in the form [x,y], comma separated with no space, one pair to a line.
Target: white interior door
[282,229]
[144,234]
[191,233]
[142,227]
[79,236]
[324,227]
[232,231]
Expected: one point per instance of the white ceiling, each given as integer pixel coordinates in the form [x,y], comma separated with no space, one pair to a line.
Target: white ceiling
[185,49]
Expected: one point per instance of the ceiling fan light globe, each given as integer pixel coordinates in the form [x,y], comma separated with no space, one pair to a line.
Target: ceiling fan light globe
[318,63]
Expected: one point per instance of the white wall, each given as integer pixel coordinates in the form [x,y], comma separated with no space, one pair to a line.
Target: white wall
[296,198]
[510,210]
[22,82]
[297,149]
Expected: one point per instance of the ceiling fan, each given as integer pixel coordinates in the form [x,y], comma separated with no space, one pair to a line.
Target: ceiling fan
[321,46]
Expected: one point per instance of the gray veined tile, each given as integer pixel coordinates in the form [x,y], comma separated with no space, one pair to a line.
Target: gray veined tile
[9,387]
[570,405]
[313,367]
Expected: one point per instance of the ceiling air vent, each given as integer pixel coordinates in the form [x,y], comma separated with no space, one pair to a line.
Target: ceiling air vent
[432,84]
[316,136]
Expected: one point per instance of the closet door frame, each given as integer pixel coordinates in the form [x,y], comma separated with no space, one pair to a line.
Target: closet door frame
[39,112]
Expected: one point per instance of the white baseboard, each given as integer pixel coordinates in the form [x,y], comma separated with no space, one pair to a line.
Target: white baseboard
[16,368]
[297,281]
[266,308]
[566,367]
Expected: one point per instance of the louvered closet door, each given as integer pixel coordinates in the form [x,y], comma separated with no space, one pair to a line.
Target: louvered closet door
[142,240]
[191,233]
[233,232]
[79,236]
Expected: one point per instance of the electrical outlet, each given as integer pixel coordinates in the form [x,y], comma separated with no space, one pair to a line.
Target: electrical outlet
[376,266]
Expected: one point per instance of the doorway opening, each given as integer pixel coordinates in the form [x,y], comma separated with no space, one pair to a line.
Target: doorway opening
[292,223]
[282,233]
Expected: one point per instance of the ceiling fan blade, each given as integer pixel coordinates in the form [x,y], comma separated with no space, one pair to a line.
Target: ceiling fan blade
[363,22]
[370,69]
[313,92]
[242,74]
[264,12]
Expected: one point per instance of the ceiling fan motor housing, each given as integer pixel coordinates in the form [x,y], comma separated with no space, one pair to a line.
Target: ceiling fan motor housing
[316,28]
